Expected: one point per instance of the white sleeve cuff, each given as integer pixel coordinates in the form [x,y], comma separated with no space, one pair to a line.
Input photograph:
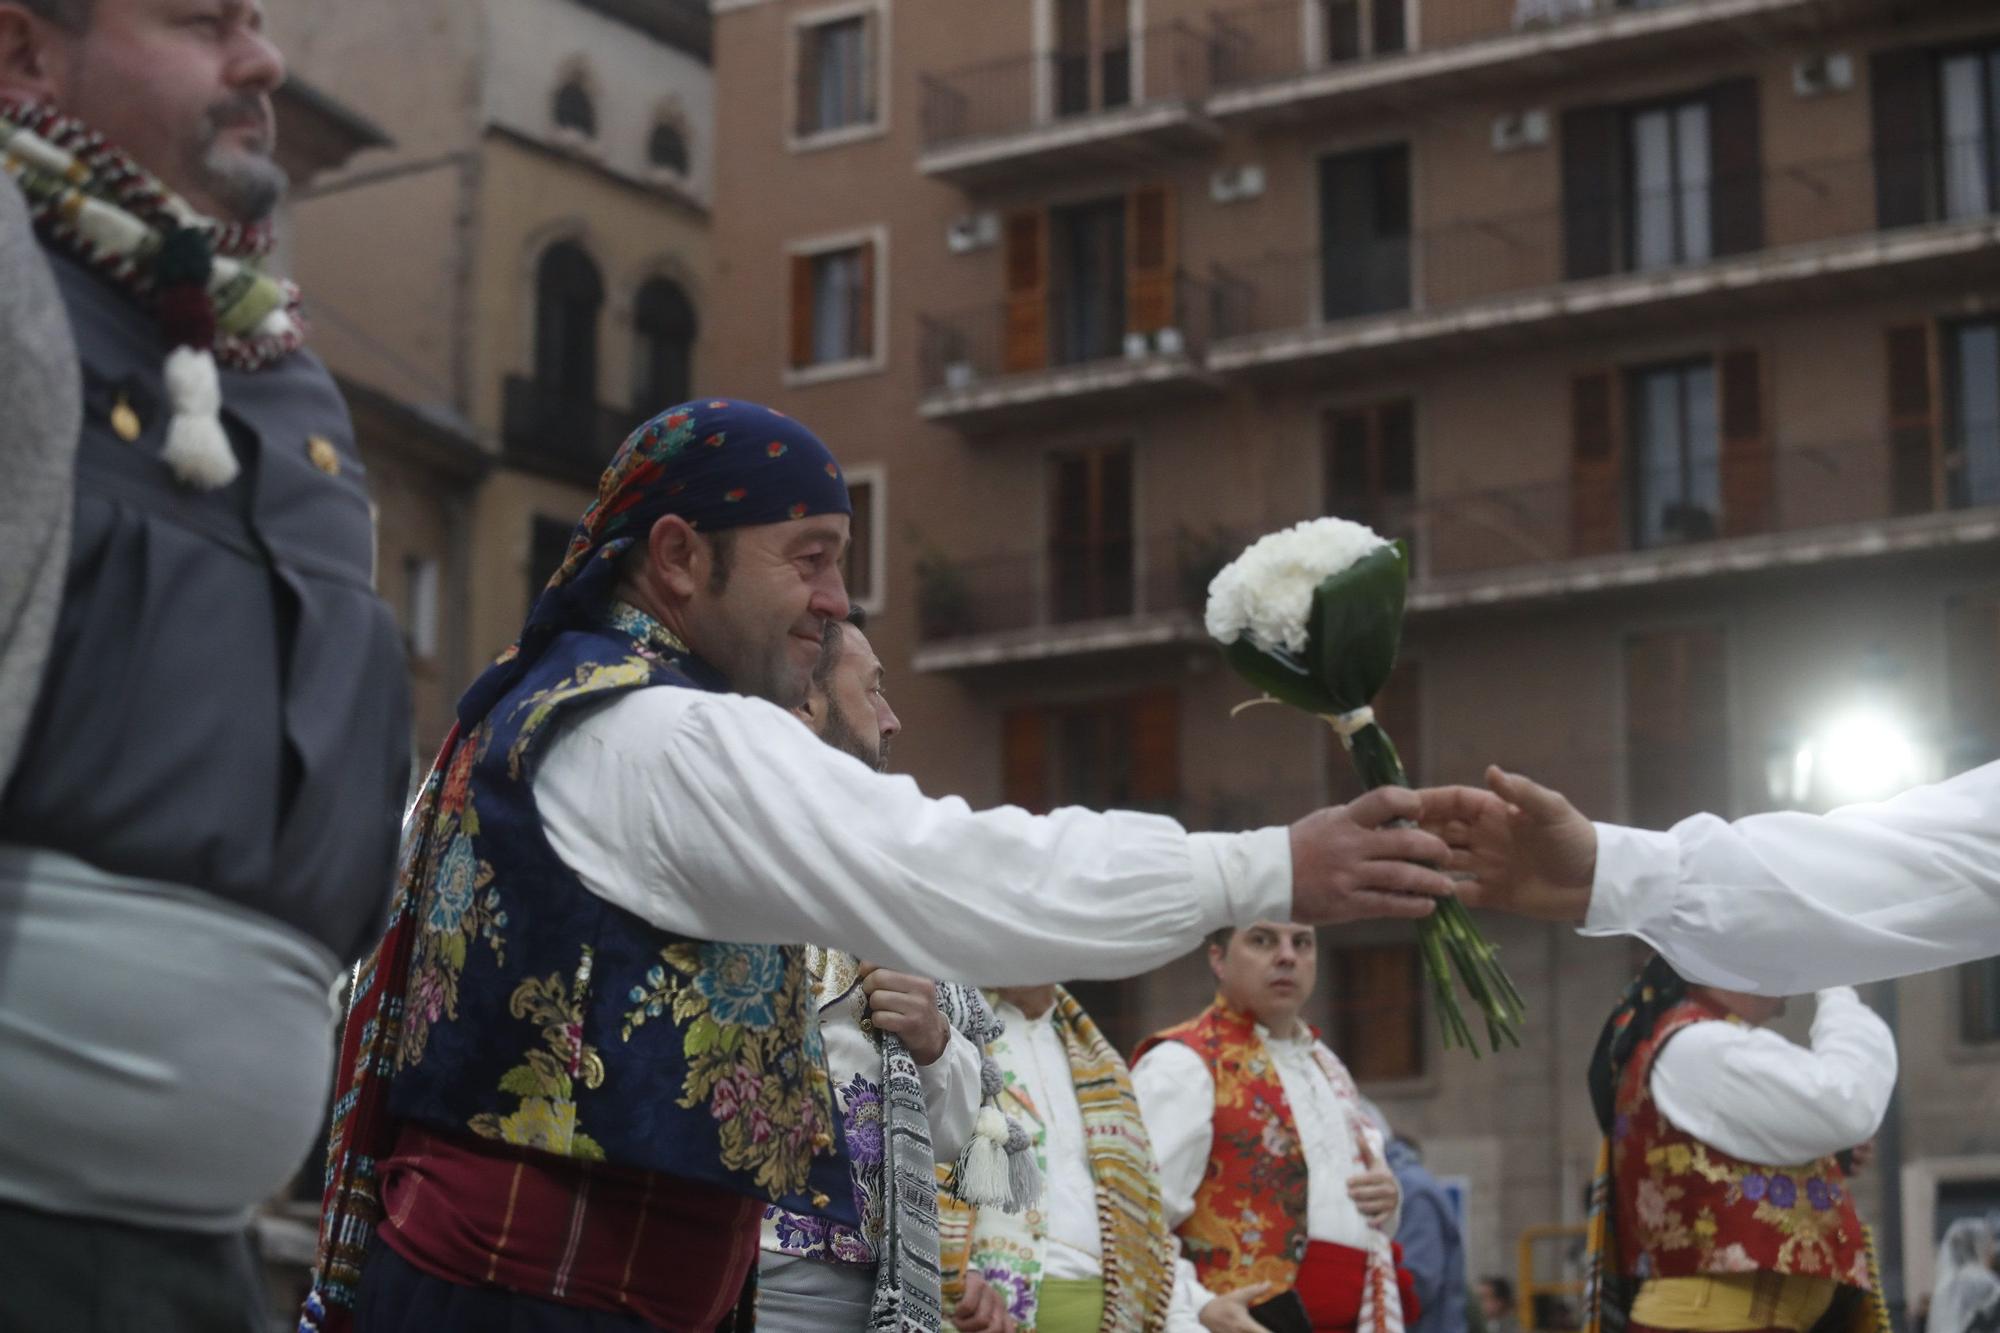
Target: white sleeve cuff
[1241,878]
[1638,878]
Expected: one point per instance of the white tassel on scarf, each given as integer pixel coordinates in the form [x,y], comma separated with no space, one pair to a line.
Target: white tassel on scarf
[197,447]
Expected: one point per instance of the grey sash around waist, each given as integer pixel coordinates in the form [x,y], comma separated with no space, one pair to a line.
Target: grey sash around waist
[165,1057]
[797,1295]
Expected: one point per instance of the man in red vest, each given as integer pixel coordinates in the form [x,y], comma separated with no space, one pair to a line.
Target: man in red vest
[1726,1209]
[1272,1171]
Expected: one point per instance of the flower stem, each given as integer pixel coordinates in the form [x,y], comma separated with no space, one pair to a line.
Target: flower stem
[1449,940]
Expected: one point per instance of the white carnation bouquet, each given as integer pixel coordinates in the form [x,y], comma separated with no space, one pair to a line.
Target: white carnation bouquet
[1313,616]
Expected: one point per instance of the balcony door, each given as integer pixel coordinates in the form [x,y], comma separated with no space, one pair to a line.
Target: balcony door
[1090,534]
[1364,211]
[1969,98]
[1092,61]
[1087,294]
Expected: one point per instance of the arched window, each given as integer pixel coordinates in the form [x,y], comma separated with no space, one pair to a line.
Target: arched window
[668,147]
[568,296]
[663,329]
[574,110]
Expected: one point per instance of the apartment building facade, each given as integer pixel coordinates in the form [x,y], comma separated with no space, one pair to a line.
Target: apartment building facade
[1667,334]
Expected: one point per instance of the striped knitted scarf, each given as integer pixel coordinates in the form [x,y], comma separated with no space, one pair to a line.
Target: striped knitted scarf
[1138,1248]
[908,1296]
[197,276]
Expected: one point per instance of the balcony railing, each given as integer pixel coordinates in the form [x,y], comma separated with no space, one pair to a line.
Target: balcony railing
[1067,330]
[1287,39]
[1731,511]
[555,433]
[1070,586]
[1475,261]
[1161,65]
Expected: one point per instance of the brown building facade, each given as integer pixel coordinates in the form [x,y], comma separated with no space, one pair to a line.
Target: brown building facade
[1667,334]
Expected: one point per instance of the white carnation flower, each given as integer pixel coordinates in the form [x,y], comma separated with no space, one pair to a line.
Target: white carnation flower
[1266,593]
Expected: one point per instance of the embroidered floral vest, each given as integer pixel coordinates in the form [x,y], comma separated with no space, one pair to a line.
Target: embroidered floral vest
[1688,1209]
[1249,1218]
[540,1015]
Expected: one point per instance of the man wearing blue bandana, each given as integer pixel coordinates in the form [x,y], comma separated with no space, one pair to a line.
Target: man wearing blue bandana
[564,1100]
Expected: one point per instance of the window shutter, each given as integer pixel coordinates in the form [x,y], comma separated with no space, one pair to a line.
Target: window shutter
[1156,749]
[1914,478]
[864,303]
[1590,167]
[1027,260]
[1736,167]
[1391,30]
[802,311]
[1025,759]
[1149,249]
[1676,725]
[805,90]
[874,60]
[1595,512]
[1906,138]
[1748,482]
[1380,1018]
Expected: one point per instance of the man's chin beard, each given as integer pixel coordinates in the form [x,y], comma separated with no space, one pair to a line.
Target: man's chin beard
[248,185]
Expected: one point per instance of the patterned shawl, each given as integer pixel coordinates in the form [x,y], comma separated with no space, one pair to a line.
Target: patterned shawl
[1138,1248]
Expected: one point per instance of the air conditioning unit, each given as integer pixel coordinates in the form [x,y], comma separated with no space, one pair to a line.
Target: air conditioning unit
[1232,184]
[959,375]
[1827,72]
[1518,130]
[975,231]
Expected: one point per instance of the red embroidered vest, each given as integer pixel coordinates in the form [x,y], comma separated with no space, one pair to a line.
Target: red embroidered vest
[1249,1218]
[1688,1209]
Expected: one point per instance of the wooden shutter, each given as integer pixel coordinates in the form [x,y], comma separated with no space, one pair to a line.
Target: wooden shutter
[864,304]
[1904,105]
[1027,321]
[1156,749]
[805,83]
[1590,167]
[1736,167]
[1915,480]
[1149,265]
[1596,514]
[802,311]
[1381,1011]
[1025,759]
[1749,497]
[1391,33]
[1676,725]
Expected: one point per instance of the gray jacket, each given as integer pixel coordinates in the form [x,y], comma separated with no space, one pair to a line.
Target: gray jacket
[39,414]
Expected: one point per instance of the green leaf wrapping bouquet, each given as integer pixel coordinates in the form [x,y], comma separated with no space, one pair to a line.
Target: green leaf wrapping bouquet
[1313,617]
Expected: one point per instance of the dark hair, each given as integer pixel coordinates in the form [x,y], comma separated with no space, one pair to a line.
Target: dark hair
[1502,1288]
[71,14]
[832,643]
[723,545]
[1220,938]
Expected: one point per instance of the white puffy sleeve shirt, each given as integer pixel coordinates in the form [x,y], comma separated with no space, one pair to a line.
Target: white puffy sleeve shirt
[722,817]
[1787,903]
[1177,1100]
[1764,1099]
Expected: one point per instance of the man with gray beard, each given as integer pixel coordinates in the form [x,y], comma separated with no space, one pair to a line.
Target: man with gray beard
[200,829]
[904,1054]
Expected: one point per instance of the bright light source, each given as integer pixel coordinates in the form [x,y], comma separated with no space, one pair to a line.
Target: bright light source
[1859,756]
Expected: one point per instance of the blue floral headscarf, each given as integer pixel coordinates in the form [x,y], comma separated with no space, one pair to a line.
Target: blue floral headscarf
[719,464]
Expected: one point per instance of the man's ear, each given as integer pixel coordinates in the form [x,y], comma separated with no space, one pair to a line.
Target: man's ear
[28,60]
[676,557]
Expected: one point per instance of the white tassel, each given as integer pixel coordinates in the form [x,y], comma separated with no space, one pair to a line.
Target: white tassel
[982,1168]
[197,447]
